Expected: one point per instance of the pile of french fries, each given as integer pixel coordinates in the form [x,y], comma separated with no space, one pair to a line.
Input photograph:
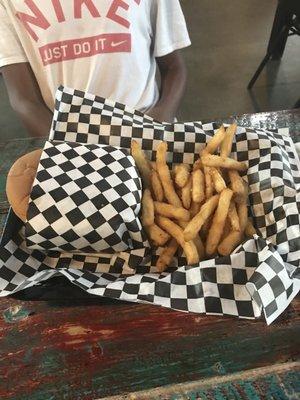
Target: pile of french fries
[202,209]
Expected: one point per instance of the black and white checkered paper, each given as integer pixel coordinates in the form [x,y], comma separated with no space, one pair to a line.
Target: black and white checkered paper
[261,275]
[85,198]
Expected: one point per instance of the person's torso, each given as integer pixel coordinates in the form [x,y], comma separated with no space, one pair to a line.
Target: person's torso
[101,46]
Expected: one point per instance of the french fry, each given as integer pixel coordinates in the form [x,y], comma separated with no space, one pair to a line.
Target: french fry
[205,228]
[242,198]
[196,223]
[198,186]
[209,187]
[169,211]
[233,217]
[215,141]
[198,165]
[182,224]
[186,194]
[218,180]
[227,141]
[210,160]
[179,192]
[142,162]
[228,244]
[147,208]
[236,181]
[224,173]
[216,229]
[167,255]
[227,229]
[194,209]
[158,236]
[198,242]
[200,247]
[176,231]
[165,176]
[250,230]
[153,165]
[182,174]
[246,189]
[172,174]
[242,211]
[156,186]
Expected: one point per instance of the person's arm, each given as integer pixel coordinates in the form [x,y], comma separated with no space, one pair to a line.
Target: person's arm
[173,81]
[26,99]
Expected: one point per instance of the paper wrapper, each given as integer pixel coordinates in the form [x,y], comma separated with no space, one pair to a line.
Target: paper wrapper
[85,198]
[261,275]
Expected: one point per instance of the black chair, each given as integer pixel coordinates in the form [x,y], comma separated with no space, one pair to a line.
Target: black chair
[286,23]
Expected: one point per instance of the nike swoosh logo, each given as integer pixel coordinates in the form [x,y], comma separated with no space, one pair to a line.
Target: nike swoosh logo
[116,44]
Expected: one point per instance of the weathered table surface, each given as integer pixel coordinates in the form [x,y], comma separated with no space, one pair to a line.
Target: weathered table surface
[77,346]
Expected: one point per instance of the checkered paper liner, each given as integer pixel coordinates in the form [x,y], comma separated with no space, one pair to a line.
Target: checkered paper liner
[85,198]
[263,272]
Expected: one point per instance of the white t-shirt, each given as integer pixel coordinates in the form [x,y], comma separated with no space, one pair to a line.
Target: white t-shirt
[106,47]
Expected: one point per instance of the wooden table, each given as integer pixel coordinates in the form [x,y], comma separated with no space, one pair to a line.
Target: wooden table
[70,345]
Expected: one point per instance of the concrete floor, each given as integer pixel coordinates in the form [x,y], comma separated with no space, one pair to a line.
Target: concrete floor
[229,39]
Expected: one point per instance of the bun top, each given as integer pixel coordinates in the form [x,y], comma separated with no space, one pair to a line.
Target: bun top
[20,180]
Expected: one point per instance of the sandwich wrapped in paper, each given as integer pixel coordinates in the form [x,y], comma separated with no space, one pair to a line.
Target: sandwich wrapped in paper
[85,197]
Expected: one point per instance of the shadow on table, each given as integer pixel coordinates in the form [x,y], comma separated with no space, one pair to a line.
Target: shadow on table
[58,291]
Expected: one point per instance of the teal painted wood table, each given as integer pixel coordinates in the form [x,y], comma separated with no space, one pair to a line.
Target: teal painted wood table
[57,342]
